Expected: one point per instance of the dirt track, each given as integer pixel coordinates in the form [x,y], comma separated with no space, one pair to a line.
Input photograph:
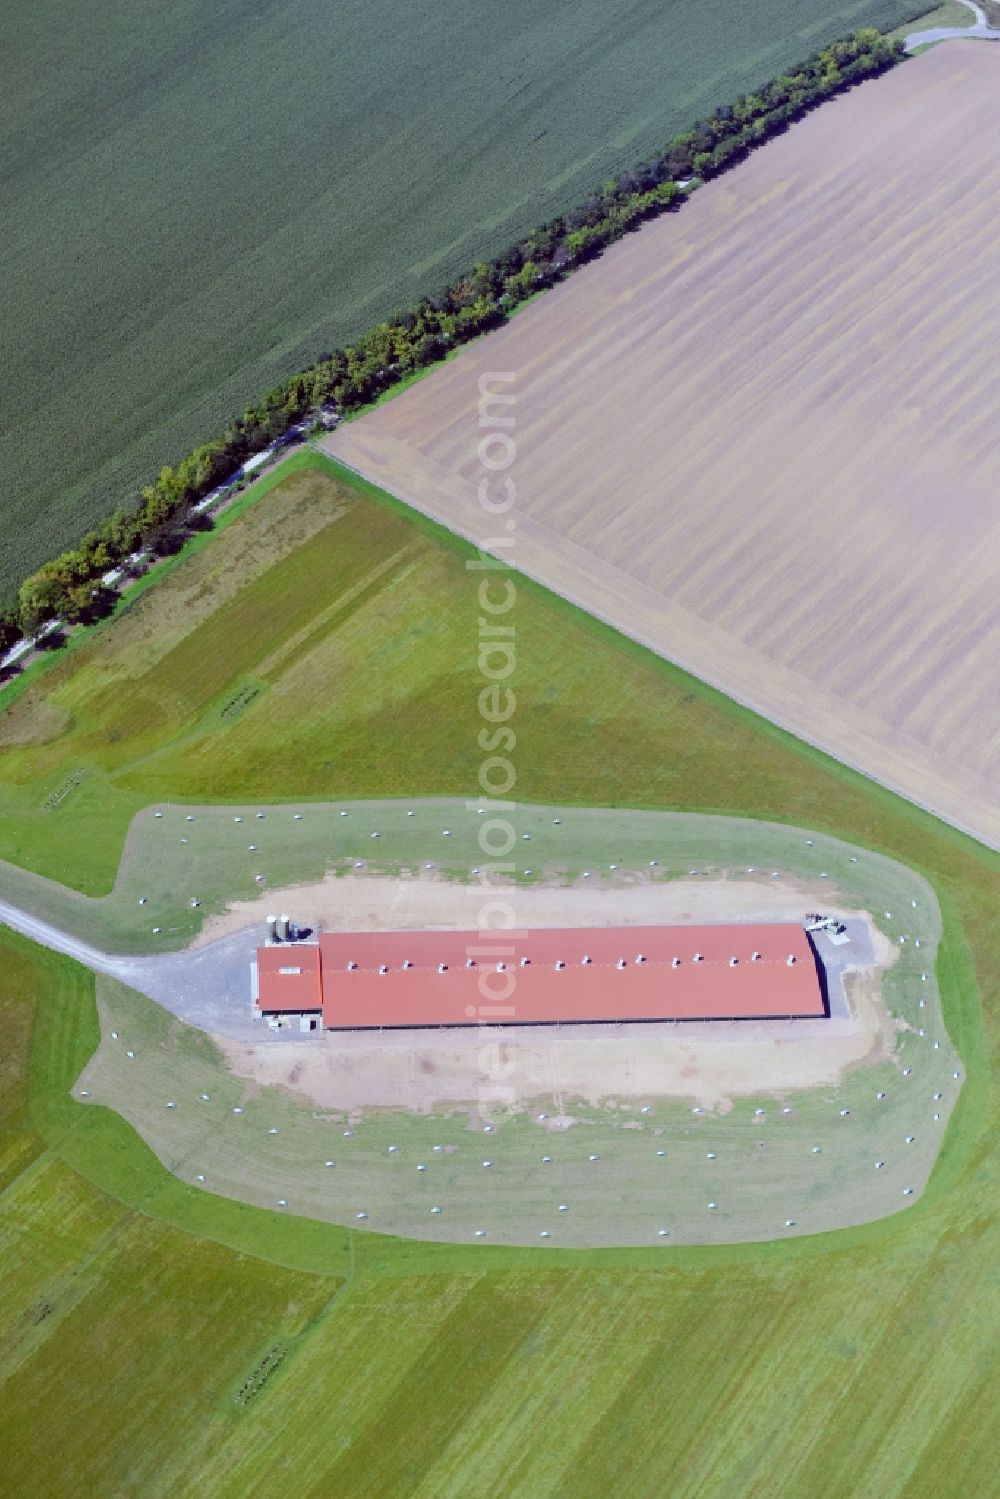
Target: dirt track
[750,436]
[369,903]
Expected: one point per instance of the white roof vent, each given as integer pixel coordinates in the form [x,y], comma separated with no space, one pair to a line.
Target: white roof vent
[698,958]
[675,962]
[620,963]
[791,959]
[442,968]
[560,963]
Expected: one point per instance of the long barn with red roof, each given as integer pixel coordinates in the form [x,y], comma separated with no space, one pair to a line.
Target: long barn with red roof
[568,976]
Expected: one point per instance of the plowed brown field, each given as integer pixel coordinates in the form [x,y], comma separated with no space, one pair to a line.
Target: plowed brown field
[760,437]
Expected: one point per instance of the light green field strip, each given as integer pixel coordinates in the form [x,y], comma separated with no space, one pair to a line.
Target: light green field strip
[818,1379]
[297,652]
[857,1361]
[113,1302]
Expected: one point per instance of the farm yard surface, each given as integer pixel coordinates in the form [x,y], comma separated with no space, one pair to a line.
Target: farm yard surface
[260,1122]
[705,1064]
[745,436]
[339,162]
[138,1070]
[451,1134]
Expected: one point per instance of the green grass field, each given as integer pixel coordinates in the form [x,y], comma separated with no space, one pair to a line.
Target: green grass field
[854,1362]
[136,1310]
[199,201]
[97,1294]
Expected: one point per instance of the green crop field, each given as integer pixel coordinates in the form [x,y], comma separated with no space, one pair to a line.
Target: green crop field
[138,1326]
[199,200]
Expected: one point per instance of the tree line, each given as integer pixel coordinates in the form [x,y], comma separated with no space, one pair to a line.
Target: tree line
[345,380]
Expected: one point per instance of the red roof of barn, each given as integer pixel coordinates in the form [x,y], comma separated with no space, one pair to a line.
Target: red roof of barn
[440,978]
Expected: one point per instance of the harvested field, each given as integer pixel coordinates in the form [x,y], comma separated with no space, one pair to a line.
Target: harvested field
[749,436]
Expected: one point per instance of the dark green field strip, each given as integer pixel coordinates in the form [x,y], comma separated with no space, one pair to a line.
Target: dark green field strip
[169,1326]
[122,1340]
[200,202]
[482,1334]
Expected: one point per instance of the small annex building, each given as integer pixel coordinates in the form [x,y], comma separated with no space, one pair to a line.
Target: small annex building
[286,983]
[568,976]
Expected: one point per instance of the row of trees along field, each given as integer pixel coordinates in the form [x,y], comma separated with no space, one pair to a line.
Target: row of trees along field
[69,587]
